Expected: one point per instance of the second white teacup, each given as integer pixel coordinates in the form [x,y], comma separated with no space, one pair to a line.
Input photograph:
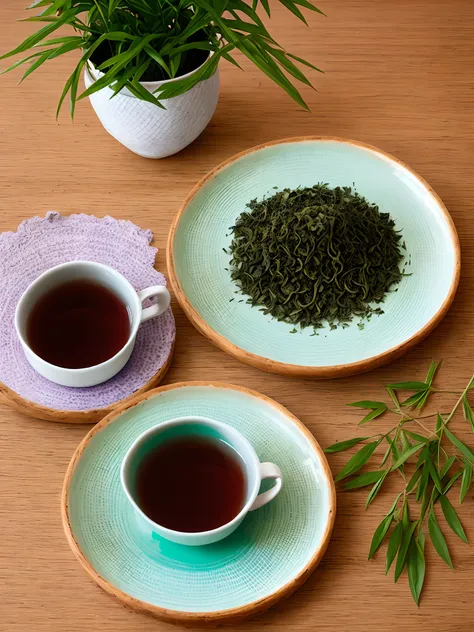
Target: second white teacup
[108,278]
[173,486]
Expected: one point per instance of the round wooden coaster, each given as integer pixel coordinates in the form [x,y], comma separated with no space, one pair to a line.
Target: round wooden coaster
[77,416]
[41,243]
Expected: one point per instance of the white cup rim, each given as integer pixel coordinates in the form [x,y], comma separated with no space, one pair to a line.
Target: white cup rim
[71,264]
[177,421]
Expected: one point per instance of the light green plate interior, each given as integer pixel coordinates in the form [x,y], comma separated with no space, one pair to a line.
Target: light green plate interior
[271,547]
[203,232]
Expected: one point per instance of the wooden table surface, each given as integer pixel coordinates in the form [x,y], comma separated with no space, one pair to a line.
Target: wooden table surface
[399,75]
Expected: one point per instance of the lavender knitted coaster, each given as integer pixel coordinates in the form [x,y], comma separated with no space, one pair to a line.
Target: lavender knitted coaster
[41,243]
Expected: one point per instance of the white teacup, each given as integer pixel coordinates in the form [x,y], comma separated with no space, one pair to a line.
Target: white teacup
[108,278]
[186,427]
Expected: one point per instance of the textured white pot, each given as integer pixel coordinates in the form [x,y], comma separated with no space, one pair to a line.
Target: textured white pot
[148,130]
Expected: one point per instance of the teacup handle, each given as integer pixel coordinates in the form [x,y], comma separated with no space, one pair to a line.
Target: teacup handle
[268,470]
[162,304]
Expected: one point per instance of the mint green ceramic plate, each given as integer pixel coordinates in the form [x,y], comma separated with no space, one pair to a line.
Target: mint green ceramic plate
[270,555]
[197,262]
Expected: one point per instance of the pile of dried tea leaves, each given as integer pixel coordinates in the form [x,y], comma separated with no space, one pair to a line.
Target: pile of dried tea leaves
[315,254]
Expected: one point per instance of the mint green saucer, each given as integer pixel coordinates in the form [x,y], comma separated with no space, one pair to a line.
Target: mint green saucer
[199,238]
[270,555]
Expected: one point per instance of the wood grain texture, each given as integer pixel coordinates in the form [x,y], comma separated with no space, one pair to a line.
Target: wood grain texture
[399,75]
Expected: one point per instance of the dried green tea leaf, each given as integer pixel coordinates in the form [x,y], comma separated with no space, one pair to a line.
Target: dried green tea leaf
[304,255]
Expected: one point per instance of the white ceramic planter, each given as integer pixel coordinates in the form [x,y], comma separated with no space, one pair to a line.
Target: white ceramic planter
[148,130]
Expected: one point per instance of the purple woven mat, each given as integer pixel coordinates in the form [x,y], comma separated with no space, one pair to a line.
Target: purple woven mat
[41,243]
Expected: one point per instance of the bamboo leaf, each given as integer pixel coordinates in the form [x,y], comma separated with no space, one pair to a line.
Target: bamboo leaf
[368,478]
[452,518]
[451,482]
[416,437]
[459,445]
[447,466]
[423,484]
[393,545]
[435,476]
[403,551]
[395,502]
[416,400]
[416,566]
[372,415]
[406,455]
[304,62]
[466,480]
[439,423]
[375,489]
[414,480]
[308,5]
[359,459]
[434,366]
[468,414]
[344,445]
[438,540]
[369,404]
[409,386]
[379,535]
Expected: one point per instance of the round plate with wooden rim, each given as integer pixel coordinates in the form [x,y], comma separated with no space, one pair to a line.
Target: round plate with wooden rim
[270,555]
[200,235]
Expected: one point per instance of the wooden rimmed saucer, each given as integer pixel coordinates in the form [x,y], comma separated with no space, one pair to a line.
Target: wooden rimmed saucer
[271,554]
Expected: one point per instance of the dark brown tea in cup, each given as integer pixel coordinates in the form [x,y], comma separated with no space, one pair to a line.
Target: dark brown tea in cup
[78,324]
[191,484]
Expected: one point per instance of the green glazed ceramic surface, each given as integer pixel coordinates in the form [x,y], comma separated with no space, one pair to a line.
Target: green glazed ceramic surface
[202,233]
[271,548]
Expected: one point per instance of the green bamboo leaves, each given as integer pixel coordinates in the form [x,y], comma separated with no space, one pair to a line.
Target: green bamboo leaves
[430,459]
[359,459]
[416,566]
[376,409]
[155,40]
[438,539]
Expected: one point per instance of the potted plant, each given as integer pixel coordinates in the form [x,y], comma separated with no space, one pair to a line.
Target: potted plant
[151,66]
